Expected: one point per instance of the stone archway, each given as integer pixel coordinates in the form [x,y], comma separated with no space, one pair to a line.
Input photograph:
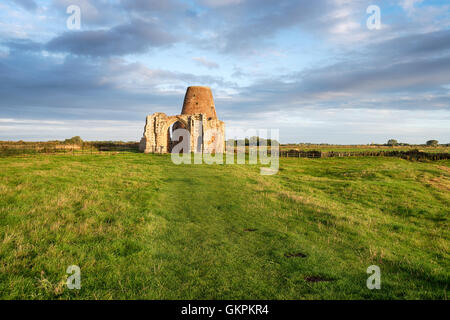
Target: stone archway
[170,139]
[174,122]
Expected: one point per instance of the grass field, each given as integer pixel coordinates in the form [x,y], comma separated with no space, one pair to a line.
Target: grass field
[141,227]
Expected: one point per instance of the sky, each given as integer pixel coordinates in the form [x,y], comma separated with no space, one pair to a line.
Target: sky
[312,69]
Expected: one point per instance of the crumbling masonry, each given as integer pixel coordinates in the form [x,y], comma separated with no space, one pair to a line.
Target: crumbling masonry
[198,117]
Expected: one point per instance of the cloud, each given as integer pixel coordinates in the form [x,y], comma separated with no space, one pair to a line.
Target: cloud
[113,130]
[135,37]
[89,88]
[152,6]
[251,25]
[23,45]
[414,46]
[349,126]
[349,79]
[412,75]
[93,13]
[409,5]
[29,5]
[220,3]
[206,63]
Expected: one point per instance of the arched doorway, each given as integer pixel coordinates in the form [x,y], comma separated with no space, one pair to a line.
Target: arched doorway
[174,126]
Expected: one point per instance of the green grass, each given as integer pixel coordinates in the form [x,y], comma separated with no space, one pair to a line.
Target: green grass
[141,227]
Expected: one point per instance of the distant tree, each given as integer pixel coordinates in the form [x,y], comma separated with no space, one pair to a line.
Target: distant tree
[253,140]
[232,142]
[259,141]
[392,142]
[432,143]
[74,140]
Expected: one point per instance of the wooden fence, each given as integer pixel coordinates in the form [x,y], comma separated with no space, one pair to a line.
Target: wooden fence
[409,155]
[67,149]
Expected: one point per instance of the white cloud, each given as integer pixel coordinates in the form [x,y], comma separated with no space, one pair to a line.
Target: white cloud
[409,5]
[221,3]
[43,130]
[206,63]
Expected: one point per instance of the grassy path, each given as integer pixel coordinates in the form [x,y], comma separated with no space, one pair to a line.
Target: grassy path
[140,227]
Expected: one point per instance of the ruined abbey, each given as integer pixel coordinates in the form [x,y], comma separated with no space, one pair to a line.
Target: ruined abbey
[198,116]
